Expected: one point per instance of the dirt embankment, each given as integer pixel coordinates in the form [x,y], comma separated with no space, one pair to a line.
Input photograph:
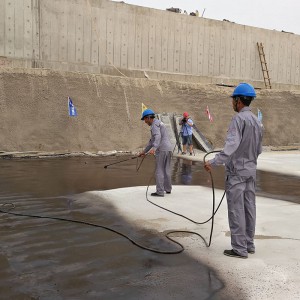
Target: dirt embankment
[34,112]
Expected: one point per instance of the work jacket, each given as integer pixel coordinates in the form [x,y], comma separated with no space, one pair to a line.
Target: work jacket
[159,140]
[243,145]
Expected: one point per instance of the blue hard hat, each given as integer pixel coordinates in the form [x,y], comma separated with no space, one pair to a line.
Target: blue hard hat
[244,90]
[146,113]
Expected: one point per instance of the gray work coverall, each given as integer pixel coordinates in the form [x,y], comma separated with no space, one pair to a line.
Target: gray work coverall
[242,147]
[160,141]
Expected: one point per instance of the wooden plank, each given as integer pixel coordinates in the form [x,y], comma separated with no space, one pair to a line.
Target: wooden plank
[168,121]
[201,141]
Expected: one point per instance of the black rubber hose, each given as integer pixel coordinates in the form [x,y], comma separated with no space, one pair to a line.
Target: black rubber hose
[127,237]
[90,224]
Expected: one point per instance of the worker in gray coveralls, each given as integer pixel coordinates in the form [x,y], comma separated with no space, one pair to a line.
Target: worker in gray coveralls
[160,146]
[242,147]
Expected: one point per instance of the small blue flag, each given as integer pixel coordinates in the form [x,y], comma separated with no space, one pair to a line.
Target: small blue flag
[72,108]
[259,116]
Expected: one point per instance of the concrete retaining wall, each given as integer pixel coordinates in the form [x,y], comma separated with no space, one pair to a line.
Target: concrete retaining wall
[34,114]
[85,35]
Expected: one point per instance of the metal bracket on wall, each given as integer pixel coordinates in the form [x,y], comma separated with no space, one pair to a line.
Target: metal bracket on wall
[264,65]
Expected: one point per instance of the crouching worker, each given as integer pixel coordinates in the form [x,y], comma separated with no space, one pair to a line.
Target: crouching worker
[160,146]
[242,147]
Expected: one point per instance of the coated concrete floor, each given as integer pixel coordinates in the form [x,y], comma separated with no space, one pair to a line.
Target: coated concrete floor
[50,259]
[273,272]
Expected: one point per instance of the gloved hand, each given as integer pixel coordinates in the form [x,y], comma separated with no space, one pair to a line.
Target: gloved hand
[152,151]
[141,154]
[207,166]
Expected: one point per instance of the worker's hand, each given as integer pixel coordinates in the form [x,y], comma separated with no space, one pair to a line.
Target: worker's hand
[141,154]
[207,166]
[152,151]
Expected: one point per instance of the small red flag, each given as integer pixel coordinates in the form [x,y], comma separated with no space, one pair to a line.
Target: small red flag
[208,114]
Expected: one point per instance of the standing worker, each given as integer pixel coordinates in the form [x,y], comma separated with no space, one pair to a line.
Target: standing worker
[187,132]
[160,146]
[242,147]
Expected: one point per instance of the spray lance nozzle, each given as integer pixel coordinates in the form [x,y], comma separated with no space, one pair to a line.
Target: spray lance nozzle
[118,162]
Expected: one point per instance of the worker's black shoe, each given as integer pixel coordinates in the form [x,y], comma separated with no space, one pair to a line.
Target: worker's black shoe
[251,251]
[233,254]
[168,192]
[191,153]
[156,195]
[183,153]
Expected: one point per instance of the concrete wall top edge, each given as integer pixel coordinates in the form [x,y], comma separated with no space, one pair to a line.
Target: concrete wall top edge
[211,22]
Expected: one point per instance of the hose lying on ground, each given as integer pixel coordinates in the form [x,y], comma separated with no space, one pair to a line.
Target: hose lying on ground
[12,206]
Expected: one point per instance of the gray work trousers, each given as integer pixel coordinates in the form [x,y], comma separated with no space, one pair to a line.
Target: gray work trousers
[240,192]
[163,172]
